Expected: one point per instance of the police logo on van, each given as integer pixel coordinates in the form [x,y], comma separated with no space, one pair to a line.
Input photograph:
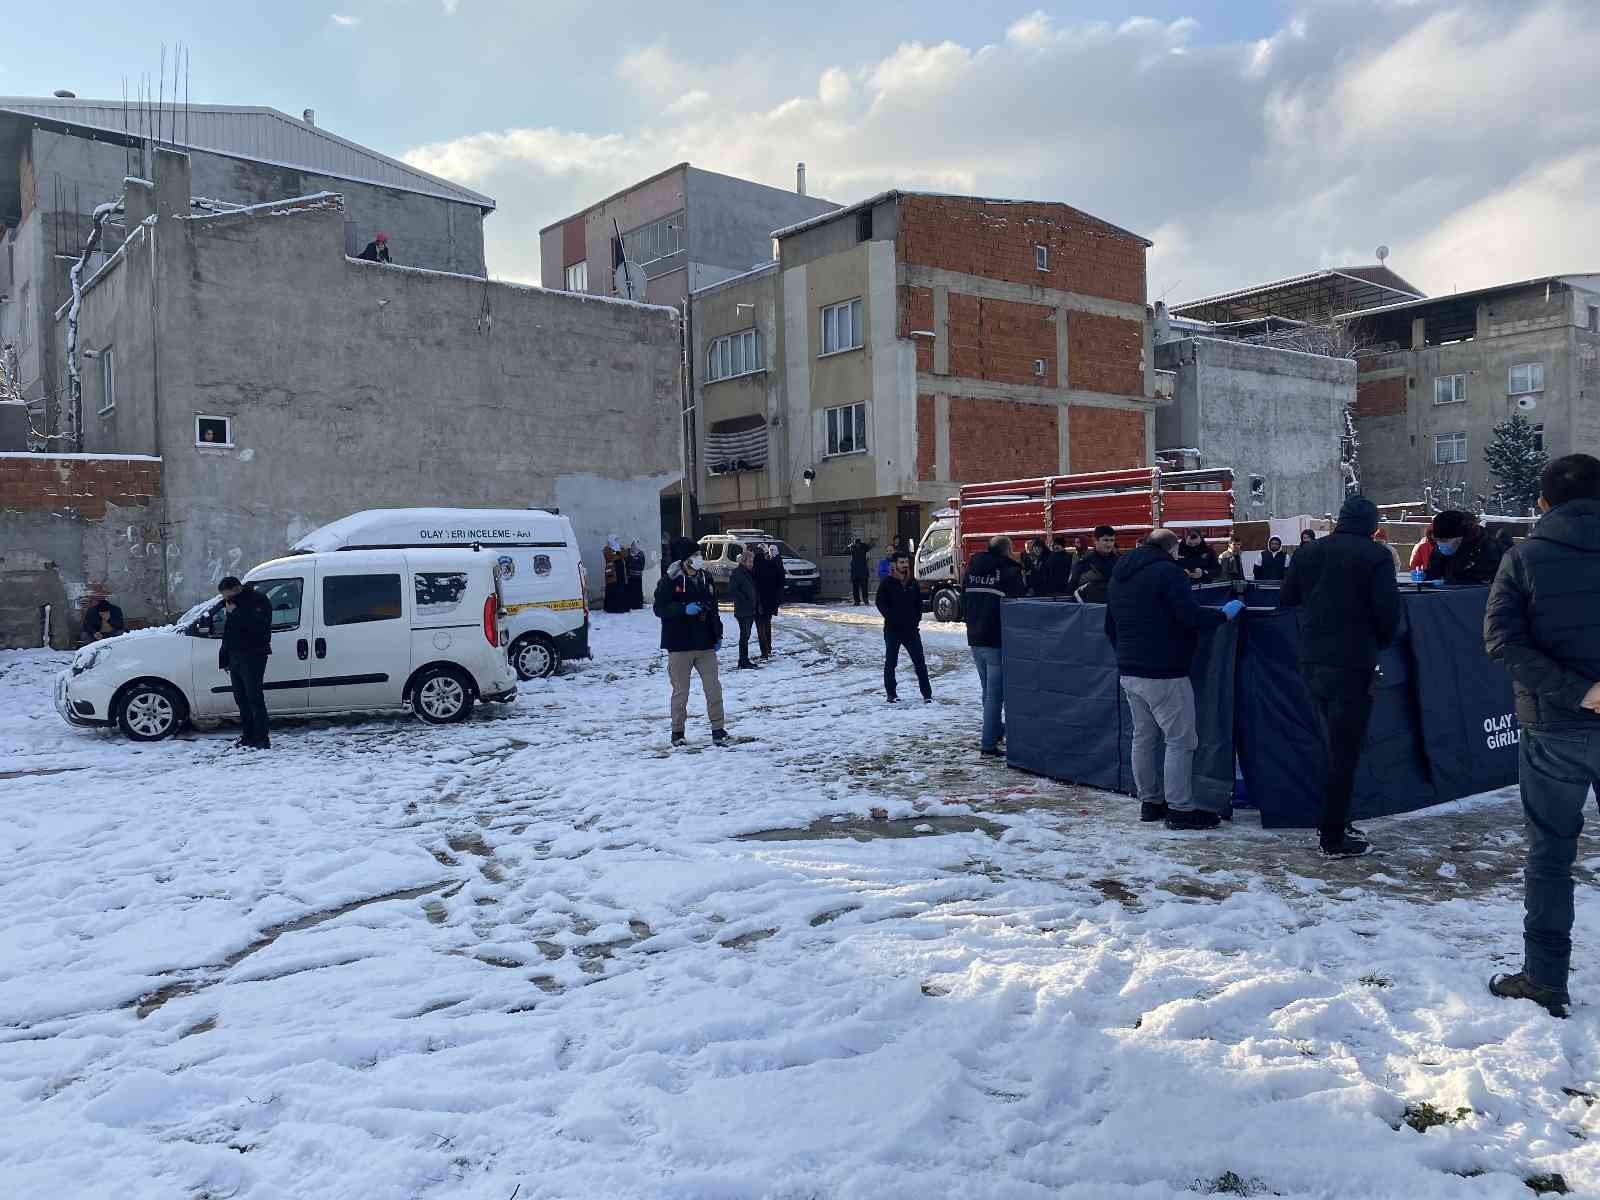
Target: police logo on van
[507,566]
[541,564]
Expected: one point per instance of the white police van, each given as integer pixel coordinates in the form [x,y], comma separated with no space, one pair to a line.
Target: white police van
[542,577]
[722,550]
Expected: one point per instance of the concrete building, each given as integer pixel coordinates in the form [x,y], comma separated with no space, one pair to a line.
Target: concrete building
[908,344]
[686,227]
[61,157]
[283,384]
[1436,376]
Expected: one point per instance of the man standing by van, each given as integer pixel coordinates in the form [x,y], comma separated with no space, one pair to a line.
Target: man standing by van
[246,644]
[691,631]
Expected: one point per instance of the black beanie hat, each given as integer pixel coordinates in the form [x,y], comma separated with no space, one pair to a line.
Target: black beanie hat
[1359,515]
[1452,523]
[682,548]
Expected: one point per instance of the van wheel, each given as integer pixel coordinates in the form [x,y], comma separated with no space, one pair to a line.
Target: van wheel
[947,605]
[441,696]
[534,657]
[149,712]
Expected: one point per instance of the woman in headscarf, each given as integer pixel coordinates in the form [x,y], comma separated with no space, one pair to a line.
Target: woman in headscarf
[616,600]
[636,565]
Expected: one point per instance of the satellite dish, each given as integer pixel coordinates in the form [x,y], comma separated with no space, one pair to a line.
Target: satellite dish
[631,281]
[1383,253]
[1527,403]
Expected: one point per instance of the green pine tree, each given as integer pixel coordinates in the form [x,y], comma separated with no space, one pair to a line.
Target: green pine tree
[1516,460]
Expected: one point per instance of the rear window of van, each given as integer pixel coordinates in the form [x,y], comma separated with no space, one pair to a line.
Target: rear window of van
[440,593]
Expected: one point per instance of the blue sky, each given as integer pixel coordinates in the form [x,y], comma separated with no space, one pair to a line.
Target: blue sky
[1248,138]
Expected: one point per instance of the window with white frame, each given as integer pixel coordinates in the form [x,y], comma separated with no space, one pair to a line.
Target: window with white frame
[1525,378]
[735,354]
[1450,448]
[841,326]
[213,431]
[847,429]
[108,379]
[652,245]
[1041,257]
[1449,389]
[578,277]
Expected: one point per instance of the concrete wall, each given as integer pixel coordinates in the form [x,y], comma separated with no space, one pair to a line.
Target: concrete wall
[354,385]
[731,222]
[1262,411]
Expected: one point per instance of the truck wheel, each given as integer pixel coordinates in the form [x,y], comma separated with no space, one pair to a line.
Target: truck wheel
[534,656]
[947,605]
[441,696]
[149,712]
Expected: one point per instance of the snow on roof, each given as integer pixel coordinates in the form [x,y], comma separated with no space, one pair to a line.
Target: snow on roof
[424,527]
[253,132]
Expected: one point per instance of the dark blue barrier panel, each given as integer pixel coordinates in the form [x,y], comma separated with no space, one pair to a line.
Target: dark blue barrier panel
[1064,711]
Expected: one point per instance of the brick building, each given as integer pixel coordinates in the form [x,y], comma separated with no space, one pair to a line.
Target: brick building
[906,345]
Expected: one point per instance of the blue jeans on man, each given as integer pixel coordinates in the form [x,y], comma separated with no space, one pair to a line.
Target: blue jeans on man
[992,679]
[1558,767]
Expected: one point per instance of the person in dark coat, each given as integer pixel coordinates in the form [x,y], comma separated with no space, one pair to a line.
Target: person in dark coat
[1349,609]
[1091,574]
[745,596]
[691,634]
[1274,562]
[636,563]
[377,250]
[616,593]
[992,576]
[1307,536]
[1541,625]
[900,602]
[1058,566]
[1153,621]
[102,620]
[770,581]
[246,646]
[1197,559]
[1230,563]
[1463,551]
[1033,567]
[858,571]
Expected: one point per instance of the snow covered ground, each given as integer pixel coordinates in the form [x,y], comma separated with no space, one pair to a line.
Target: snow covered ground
[539,955]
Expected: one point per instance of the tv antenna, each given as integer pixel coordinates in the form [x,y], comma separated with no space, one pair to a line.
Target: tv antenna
[1383,253]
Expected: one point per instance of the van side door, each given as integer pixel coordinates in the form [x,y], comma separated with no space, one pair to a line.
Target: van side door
[288,667]
[361,648]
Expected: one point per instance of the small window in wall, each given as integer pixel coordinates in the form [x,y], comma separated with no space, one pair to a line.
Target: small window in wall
[1041,257]
[108,380]
[1039,366]
[578,277]
[24,316]
[1538,438]
[835,533]
[360,599]
[1525,378]
[847,429]
[735,354]
[841,326]
[1449,389]
[213,431]
[864,225]
[1450,448]
[1594,318]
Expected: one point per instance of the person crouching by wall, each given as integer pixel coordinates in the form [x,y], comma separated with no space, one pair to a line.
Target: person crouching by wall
[691,633]
[900,602]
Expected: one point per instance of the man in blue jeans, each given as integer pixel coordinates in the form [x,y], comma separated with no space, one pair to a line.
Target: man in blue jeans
[1543,624]
[992,577]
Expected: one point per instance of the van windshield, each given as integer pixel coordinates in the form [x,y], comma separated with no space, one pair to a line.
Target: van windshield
[783,549]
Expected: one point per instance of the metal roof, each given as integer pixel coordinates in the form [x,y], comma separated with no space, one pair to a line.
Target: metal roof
[1316,296]
[260,134]
[894,194]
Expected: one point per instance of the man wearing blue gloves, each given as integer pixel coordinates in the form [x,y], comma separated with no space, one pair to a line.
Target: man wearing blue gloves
[1153,620]
[691,633]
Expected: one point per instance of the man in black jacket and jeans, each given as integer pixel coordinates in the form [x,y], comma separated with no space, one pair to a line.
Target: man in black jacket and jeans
[1543,624]
[992,576]
[900,602]
[691,632]
[1344,586]
[246,645]
[858,571]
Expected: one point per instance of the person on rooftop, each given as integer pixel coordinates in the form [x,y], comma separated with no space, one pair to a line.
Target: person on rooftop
[377,249]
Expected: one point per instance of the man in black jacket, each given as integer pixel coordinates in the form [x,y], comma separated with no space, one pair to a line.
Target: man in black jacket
[1274,562]
[1198,559]
[770,580]
[1153,621]
[900,602]
[246,645]
[1091,576]
[858,571]
[1344,587]
[1541,623]
[746,597]
[102,620]
[1058,568]
[691,633]
[992,576]
[1463,551]
[377,250]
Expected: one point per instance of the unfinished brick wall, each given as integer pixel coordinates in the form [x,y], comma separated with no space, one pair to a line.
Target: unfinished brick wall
[997,239]
[1001,340]
[1384,396]
[927,437]
[1001,439]
[1105,439]
[83,483]
[1105,354]
[916,316]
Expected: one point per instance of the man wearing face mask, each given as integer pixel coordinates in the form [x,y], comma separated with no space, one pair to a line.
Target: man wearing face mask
[691,632]
[1463,552]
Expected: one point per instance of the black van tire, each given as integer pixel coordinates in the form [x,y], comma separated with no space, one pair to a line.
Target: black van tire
[534,656]
[947,605]
[149,710]
[442,695]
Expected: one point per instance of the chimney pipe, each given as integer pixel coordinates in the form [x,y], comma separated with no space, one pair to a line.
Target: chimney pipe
[800,179]
[309,116]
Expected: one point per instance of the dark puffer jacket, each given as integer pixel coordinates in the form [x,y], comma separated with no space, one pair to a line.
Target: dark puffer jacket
[679,630]
[990,579]
[1152,617]
[247,632]
[1344,586]
[1475,561]
[1543,618]
[1091,576]
[1200,558]
[900,604]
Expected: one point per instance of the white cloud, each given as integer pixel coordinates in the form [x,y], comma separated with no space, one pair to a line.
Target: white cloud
[450,7]
[341,19]
[1357,122]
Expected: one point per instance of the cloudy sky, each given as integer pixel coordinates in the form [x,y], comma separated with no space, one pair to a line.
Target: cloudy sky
[1249,139]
